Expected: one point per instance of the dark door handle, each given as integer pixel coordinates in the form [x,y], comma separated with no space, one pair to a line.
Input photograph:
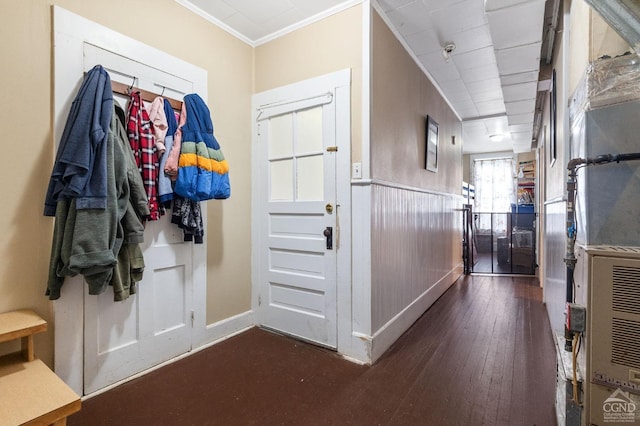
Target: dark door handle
[328,233]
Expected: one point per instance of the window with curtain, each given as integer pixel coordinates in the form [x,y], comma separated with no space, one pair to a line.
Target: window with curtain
[495,191]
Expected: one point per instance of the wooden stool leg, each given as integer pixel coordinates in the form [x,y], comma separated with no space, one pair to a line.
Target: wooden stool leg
[61,422]
[27,348]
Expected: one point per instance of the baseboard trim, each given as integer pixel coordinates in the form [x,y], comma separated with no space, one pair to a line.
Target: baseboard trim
[224,330]
[395,327]
[227,327]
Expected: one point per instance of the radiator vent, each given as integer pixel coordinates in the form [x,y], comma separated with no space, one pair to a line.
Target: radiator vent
[626,289]
[625,342]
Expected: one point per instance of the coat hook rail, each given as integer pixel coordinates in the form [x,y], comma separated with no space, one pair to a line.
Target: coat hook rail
[125,89]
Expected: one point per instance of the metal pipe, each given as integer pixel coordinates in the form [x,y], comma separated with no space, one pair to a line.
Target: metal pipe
[552,31]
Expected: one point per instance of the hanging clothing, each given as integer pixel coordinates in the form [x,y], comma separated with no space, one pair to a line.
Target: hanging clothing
[171,165]
[130,265]
[89,241]
[165,186]
[203,172]
[159,122]
[141,139]
[187,214]
[80,170]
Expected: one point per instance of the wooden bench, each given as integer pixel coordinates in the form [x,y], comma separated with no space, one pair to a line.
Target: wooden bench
[30,393]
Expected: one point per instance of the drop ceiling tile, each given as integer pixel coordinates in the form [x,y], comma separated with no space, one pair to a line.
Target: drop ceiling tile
[488,85]
[472,39]
[488,96]
[522,77]
[491,5]
[487,90]
[519,92]
[425,42]
[474,126]
[483,72]
[313,7]
[388,5]
[521,147]
[474,59]
[467,111]
[262,11]
[462,101]
[485,145]
[521,119]
[520,107]
[284,20]
[244,26]
[517,25]
[520,127]
[440,69]
[454,86]
[458,17]
[463,105]
[518,59]
[496,124]
[442,4]
[446,75]
[216,8]
[410,19]
[518,137]
[491,107]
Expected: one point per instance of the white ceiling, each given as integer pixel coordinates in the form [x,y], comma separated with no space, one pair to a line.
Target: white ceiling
[490,78]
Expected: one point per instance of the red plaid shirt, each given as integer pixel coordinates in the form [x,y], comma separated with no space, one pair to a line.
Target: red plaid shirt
[140,132]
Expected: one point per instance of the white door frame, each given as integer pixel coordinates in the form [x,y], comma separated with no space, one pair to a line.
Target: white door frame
[71,33]
[339,84]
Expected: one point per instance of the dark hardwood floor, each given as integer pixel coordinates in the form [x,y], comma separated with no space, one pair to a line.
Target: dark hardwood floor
[483,354]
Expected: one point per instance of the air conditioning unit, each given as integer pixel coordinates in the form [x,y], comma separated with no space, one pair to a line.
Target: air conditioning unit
[612,295]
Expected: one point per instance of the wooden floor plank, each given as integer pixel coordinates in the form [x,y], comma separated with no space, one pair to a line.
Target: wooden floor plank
[481,355]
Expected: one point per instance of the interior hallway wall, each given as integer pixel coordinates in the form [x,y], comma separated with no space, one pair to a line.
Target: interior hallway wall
[29,149]
[416,231]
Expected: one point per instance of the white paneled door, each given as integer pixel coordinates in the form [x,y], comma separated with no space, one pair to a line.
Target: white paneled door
[298,216]
[150,327]
[100,342]
[154,325]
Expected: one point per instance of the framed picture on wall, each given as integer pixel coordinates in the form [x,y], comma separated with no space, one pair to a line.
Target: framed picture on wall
[431,151]
[553,118]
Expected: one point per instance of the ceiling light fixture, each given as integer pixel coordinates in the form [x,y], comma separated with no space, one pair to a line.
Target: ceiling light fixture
[496,137]
[447,49]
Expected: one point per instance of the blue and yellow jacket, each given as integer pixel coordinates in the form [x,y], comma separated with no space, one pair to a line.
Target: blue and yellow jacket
[203,173]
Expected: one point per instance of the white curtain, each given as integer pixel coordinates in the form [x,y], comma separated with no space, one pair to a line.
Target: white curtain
[495,192]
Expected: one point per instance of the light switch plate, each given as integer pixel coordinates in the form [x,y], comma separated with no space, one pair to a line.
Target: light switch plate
[357,171]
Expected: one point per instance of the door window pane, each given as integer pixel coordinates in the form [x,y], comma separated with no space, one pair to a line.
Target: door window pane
[281,136]
[309,136]
[281,174]
[310,179]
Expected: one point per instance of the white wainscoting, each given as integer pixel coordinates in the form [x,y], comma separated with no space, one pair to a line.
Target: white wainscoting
[416,255]
[555,268]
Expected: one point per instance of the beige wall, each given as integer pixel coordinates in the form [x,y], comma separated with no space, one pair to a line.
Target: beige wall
[26,80]
[591,38]
[329,45]
[604,39]
[402,96]
[466,168]
[579,34]
[415,223]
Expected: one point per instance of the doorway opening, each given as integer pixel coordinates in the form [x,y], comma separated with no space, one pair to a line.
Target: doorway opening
[500,232]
